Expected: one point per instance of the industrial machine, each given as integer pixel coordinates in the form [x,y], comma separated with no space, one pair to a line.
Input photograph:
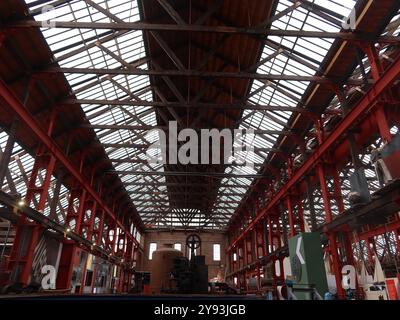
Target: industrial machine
[390,156]
[385,161]
[191,276]
[359,188]
[162,279]
[175,274]
[309,275]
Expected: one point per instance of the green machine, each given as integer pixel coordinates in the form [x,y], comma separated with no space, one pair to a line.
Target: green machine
[308,269]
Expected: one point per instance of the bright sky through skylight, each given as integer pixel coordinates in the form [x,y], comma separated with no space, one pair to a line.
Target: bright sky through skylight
[95,48]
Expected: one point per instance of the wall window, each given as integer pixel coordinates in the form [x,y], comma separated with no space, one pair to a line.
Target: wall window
[190,253]
[234,257]
[178,246]
[153,247]
[217,252]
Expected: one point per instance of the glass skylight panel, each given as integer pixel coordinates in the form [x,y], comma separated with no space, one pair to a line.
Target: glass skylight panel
[90,49]
[288,62]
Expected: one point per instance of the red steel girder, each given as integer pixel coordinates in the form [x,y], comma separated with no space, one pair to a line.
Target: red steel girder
[352,117]
[392,227]
[15,104]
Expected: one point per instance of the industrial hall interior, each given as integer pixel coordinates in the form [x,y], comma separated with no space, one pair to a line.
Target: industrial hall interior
[200,148]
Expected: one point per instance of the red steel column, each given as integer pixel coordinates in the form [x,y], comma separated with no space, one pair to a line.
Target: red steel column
[300,212]
[260,243]
[331,236]
[336,267]
[325,193]
[22,255]
[78,205]
[121,253]
[235,264]
[240,265]
[258,276]
[397,235]
[270,247]
[86,230]
[337,190]
[292,232]
[128,261]
[275,243]
[231,261]
[245,261]
[348,248]
[249,250]
[69,251]
[333,249]
[377,70]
